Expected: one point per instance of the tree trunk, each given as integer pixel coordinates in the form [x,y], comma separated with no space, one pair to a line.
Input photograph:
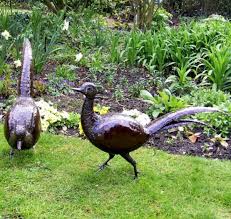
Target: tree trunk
[143,13]
[50,6]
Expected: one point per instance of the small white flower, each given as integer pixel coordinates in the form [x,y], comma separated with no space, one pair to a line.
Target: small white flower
[134,113]
[6,34]
[64,128]
[65,25]
[140,117]
[17,63]
[78,57]
[65,115]
[143,119]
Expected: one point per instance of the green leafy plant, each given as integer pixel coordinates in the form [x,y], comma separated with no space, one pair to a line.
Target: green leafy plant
[4,19]
[161,19]
[57,86]
[132,48]
[40,87]
[212,98]
[182,82]
[90,30]
[96,63]
[218,66]
[66,72]
[115,50]
[5,86]
[164,102]
[118,94]
[45,33]
[5,106]
[72,121]
[5,46]
[135,88]
[207,97]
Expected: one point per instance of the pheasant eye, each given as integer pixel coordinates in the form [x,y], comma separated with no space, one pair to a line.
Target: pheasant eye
[89,89]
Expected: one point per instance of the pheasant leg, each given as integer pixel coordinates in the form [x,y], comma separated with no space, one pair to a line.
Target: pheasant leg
[11,153]
[128,158]
[102,166]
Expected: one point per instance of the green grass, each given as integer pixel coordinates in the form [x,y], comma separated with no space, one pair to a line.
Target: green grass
[59,180]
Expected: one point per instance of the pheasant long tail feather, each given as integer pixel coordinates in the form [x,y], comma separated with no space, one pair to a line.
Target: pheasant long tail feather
[26,81]
[169,118]
[183,123]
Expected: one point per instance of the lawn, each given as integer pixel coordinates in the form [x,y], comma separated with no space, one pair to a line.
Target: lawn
[59,180]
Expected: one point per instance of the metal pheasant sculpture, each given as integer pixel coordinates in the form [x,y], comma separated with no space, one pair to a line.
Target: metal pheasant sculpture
[120,134]
[22,122]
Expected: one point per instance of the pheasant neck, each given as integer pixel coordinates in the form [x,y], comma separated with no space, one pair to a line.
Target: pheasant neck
[88,117]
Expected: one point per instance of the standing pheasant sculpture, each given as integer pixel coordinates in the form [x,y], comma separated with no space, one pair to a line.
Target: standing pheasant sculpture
[22,122]
[119,134]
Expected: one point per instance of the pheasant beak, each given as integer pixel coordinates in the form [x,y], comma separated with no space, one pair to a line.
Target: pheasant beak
[78,89]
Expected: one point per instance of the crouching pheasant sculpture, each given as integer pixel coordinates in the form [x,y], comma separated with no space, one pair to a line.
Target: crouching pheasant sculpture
[22,122]
[120,134]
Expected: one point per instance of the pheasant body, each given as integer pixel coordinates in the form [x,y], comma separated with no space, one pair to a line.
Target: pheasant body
[22,125]
[121,134]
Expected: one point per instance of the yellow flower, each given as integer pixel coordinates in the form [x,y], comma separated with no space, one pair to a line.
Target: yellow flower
[102,110]
[81,129]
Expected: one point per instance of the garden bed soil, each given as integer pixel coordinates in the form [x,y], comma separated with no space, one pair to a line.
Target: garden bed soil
[178,143]
[123,81]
